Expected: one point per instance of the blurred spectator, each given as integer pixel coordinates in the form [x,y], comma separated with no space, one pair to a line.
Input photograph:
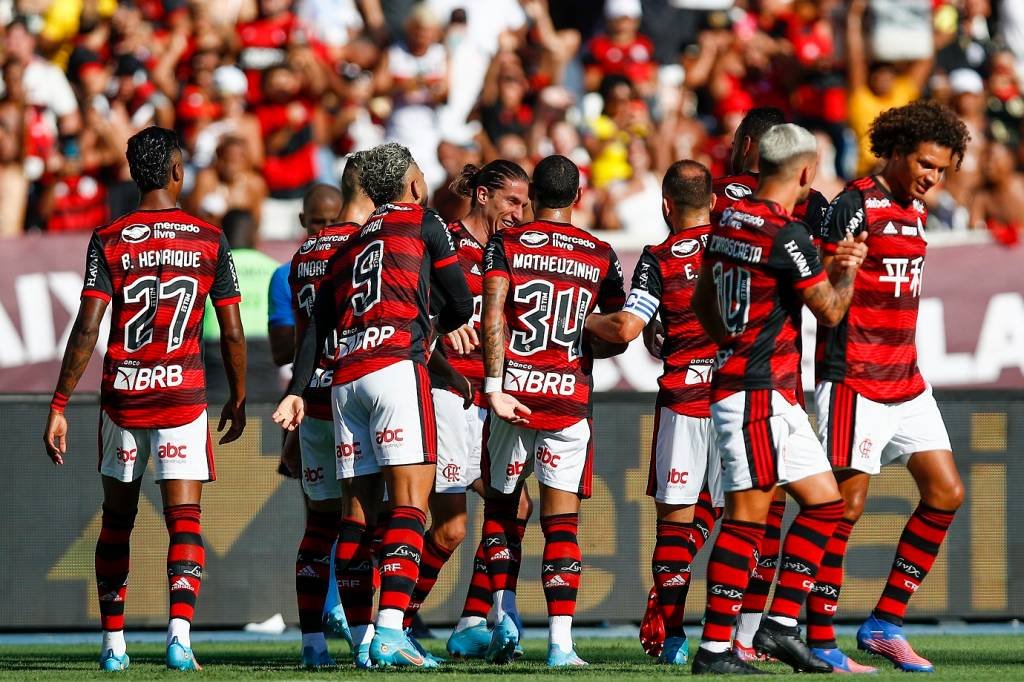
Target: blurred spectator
[608,134]
[954,197]
[1005,101]
[633,206]
[13,183]
[999,206]
[414,74]
[254,269]
[503,106]
[874,86]
[286,115]
[231,183]
[453,158]
[229,88]
[621,50]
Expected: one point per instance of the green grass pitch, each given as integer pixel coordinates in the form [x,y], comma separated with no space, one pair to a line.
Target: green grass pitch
[955,657]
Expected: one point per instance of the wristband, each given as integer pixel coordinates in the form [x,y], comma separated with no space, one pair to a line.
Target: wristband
[59,402]
[492,384]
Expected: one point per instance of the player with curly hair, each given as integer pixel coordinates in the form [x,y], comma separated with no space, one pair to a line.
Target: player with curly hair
[874,406]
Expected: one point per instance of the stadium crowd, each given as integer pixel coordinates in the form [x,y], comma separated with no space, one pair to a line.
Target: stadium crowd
[270,95]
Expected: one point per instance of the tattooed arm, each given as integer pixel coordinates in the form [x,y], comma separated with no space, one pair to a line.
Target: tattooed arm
[492,325]
[232,350]
[81,344]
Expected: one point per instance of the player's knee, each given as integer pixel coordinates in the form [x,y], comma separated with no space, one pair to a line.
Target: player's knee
[525,505]
[451,534]
[947,497]
[853,503]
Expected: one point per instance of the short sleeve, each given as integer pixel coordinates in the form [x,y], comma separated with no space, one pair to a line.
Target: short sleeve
[645,294]
[438,240]
[793,252]
[610,294]
[225,289]
[495,262]
[844,215]
[817,210]
[279,296]
[98,283]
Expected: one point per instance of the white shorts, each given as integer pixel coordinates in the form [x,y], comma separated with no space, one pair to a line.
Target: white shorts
[562,459]
[460,435]
[183,453]
[861,434]
[319,470]
[684,456]
[384,419]
[765,441]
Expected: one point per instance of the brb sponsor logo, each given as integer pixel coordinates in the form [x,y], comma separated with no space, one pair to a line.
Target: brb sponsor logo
[145,378]
[364,339]
[547,458]
[676,477]
[313,475]
[125,455]
[390,436]
[172,451]
[348,450]
[535,381]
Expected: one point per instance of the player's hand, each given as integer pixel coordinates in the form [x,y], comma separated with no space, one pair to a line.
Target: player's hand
[656,338]
[56,437]
[508,408]
[291,458]
[233,413]
[464,340]
[851,252]
[465,390]
[290,412]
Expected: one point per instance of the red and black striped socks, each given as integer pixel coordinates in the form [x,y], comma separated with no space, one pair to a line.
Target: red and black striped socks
[185,560]
[478,596]
[919,545]
[561,569]
[502,552]
[434,558]
[313,570]
[801,554]
[112,562]
[354,571]
[400,555]
[755,599]
[729,567]
[705,514]
[824,597]
[670,565]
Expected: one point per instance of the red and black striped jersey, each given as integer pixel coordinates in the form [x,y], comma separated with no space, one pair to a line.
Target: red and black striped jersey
[380,287]
[471,365]
[157,268]
[873,350]
[308,269]
[731,188]
[557,275]
[663,283]
[760,258]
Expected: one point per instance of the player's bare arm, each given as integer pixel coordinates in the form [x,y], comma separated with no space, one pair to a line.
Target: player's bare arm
[829,300]
[438,364]
[291,411]
[618,328]
[492,324]
[81,343]
[232,349]
[705,307]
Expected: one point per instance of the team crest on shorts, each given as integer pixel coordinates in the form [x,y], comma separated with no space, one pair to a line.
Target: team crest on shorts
[451,472]
[865,448]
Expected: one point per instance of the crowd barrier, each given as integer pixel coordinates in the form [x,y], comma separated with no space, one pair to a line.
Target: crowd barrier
[253,518]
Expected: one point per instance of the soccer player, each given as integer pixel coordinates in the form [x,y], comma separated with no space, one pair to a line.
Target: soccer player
[376,297]
[759,268]
[320,486]
[811,212]
[542,279]
[498,197]
[683,456]
[874,407]
[156,266]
